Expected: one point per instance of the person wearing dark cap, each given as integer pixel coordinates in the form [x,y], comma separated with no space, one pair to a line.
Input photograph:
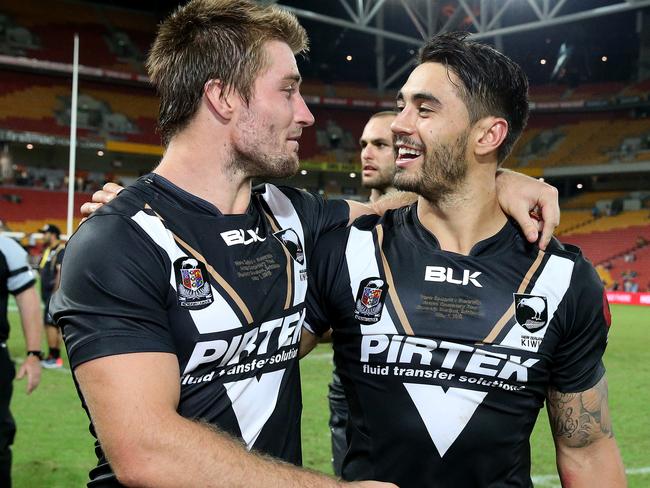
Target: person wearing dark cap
[50,270]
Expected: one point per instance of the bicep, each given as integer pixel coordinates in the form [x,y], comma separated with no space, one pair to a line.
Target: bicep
[580,419]
[126,393]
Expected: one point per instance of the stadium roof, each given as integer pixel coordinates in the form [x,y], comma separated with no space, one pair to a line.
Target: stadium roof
[381,36]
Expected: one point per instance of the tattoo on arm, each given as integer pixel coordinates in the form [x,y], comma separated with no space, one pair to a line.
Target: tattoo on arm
[579,419]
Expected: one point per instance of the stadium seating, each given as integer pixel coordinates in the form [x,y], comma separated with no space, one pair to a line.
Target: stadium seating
[38,103]
[33,207]
[573,219]
[104,33]
[587,200]
[590,91]
[602,245]
[547,93]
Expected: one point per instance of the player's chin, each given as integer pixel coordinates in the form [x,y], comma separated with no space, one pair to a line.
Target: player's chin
[406,182]
[286,166]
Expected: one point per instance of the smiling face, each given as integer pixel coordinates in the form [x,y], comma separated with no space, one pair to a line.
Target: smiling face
[265,140]
[377,154]
[431,134]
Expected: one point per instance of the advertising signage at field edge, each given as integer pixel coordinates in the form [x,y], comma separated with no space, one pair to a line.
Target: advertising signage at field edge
[628,298]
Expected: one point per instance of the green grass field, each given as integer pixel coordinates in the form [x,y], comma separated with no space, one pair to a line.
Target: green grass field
[53,447]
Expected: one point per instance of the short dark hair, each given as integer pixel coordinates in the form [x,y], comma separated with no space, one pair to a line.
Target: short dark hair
[493,84]
[214,39]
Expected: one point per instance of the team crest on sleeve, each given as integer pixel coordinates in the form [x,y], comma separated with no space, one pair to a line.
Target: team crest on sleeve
[192,284]
[370,300]
[290,240]
[531,311]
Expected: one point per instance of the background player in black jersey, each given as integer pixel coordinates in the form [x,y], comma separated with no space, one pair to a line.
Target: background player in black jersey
[377,172]
[450,329]
[223,123]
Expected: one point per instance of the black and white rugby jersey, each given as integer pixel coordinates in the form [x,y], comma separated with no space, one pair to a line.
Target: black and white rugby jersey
[161,270]
[445,358]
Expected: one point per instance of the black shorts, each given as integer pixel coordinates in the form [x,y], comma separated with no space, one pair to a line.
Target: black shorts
[47,316]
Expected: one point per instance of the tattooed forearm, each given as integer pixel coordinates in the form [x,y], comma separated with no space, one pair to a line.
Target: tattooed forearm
[578,419]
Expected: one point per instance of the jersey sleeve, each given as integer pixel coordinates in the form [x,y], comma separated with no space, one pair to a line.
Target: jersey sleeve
[20,276]
[113,293]
[318,214]
[578,364]
[327,284]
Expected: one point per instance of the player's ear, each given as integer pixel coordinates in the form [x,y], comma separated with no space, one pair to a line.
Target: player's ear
[492,131]
[221,101]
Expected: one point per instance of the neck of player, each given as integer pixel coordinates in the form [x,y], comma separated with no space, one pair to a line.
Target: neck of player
[198,160]
[467,216]
[376,194]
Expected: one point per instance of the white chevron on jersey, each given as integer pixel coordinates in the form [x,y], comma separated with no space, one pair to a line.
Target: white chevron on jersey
[445,414]
[218,316]
[553,284]
[253,402]
[362,265]
[287,217]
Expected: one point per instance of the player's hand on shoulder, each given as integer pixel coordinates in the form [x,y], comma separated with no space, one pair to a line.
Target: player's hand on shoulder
[520,195]
[100,197]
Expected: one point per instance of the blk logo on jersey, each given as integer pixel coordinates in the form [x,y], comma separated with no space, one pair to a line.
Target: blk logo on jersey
[370,300]
[192,285]
[531,311]
[291,242]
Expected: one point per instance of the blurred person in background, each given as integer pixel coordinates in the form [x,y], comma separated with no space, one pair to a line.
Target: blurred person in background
[16,278]
[377,172]
[50,271]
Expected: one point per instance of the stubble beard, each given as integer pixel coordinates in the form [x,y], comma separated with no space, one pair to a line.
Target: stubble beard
[380,182]
[442,173]
[252,157]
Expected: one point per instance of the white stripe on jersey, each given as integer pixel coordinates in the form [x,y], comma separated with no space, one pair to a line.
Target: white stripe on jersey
[553,284]
[218,316]
[362,265]
[253,402]
[287,217]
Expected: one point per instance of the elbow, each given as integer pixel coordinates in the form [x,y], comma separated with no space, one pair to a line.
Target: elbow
[134,467]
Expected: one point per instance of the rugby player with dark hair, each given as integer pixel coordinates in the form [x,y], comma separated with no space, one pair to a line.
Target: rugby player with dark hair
[183,326]
[450,328]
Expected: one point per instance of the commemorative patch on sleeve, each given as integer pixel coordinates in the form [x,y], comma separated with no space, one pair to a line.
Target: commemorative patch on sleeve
[370,300]
[192,284]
